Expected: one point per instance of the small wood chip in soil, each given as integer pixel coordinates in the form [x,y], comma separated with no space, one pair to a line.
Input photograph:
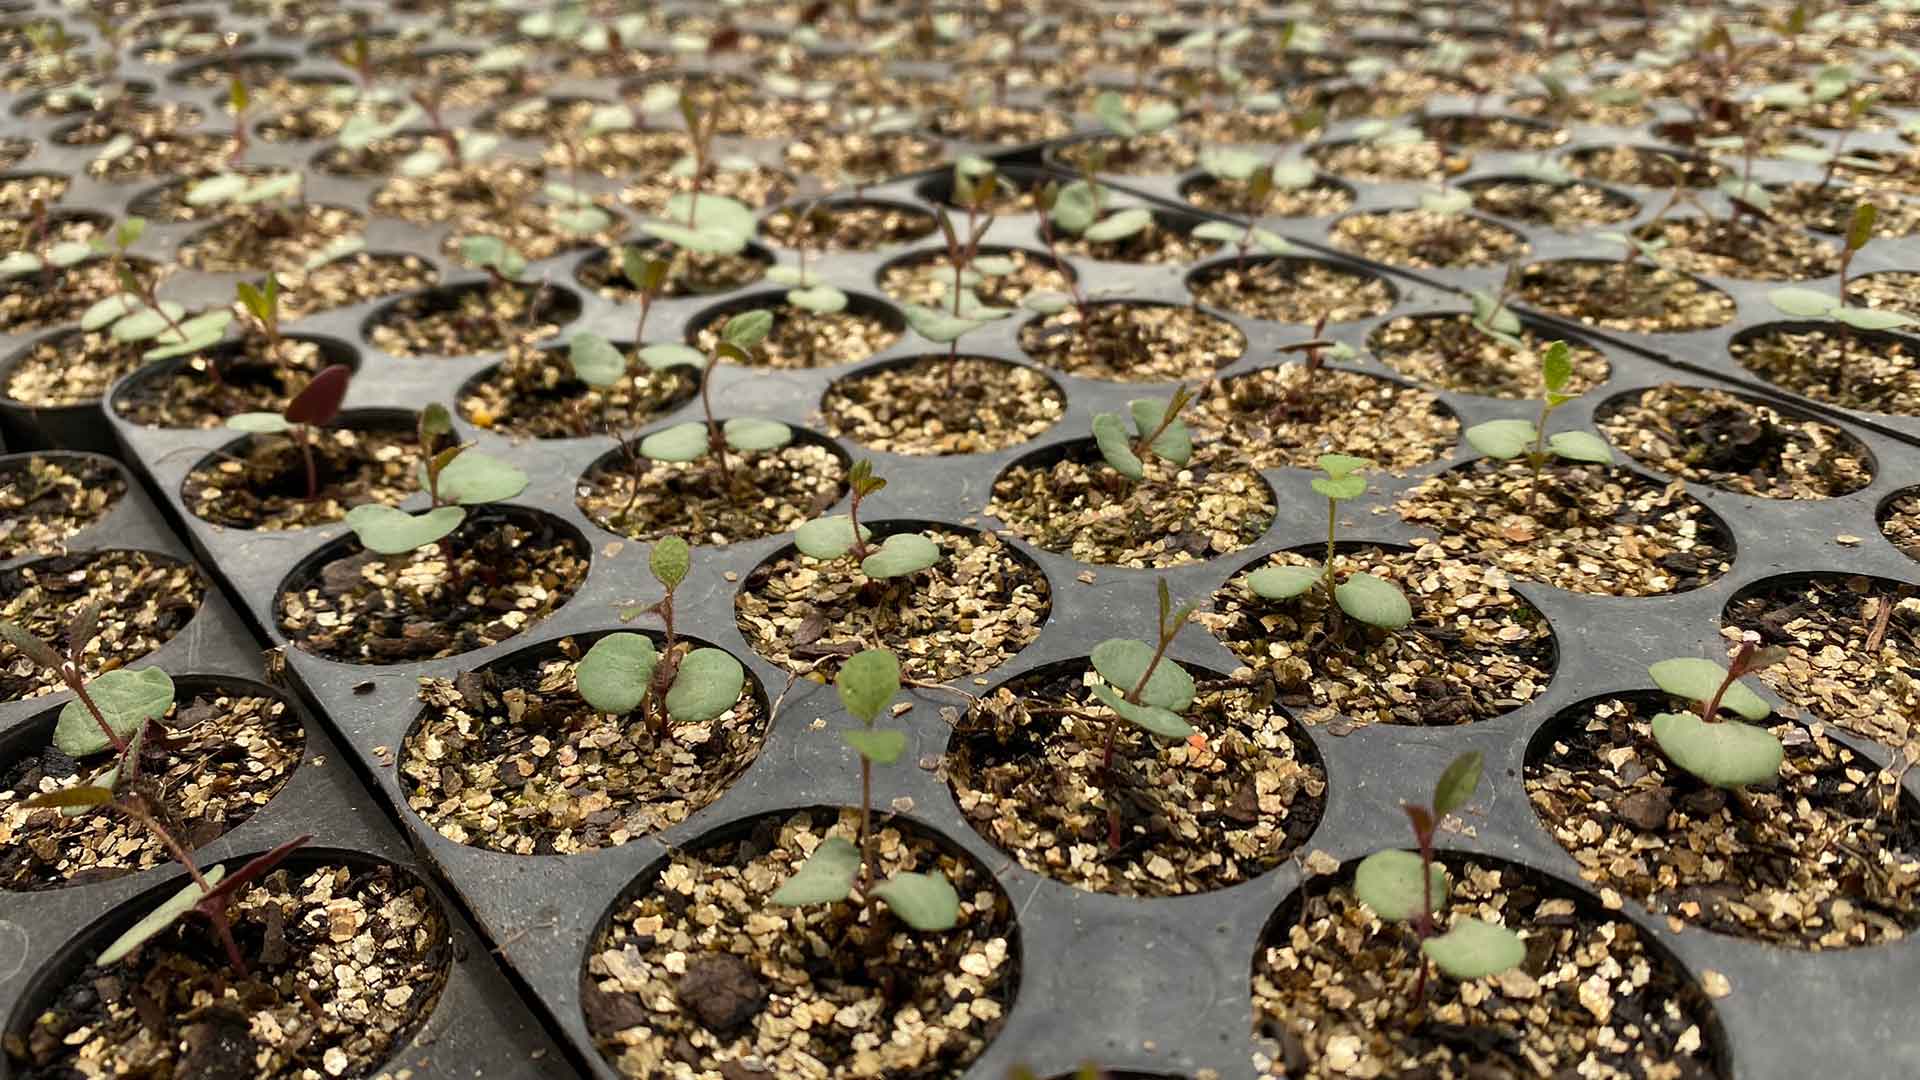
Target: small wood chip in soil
[1820,859]
[510,758]
[1901,522]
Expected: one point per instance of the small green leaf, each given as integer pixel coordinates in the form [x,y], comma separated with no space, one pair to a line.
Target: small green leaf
[1503,439]
[825,878]
[1116,446]
[1045,301]
[882,746]
[1804,303]
[1340,466]
[1456,785]
[474,478]
[748,434]
[702,241]
[126,697]
[1284,582]
[820,299]
[1175,444]
[1122,661]
[681,442]
[387,531]
[216,189]
[1075,207]
[1220,232]
[747,329]
[1118,225]
[1697,678]
[1870,318]
[1556,366]
[672,355]
[1390,882]
[901,554]
[30,644]
[1473,949]
[828,537]
[1149,718]
[925,902]
[670,560]
[717,212]
[144,322]
[1726,753]
[595,360]
[708,684]
[940,326]
[1374,601]
[194,335]
[172,910]
[1580,446]
[868,682]
[112,309]
[1350,486]
[259,423]
[614,674]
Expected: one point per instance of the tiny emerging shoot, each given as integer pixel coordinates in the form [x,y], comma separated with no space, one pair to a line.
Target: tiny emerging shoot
[838,869]
[696,439]
[1812,304]
[1401,886]
[1371,599]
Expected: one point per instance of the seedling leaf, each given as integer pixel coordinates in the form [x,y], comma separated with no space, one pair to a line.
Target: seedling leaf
[1390,883]
[1121,661]
[1149,718]
[387,531]
[1456,785]
[1581,446]
[613,676]
[1283,582]
[1473,949]
[882,746]
[868,682]
[127,698]
[1374,601]
[828,537]
[473,478]
[169,912]
[681,442]
[708,684]
[1727,754]
[595,361]
[825,878]
[1503,439]
[901,554]
[925,902]
[748,433]
[1696,678]
[670,560]
[1116,446]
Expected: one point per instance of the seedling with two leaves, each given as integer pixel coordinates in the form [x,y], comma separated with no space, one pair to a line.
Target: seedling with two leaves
[697,439]
[1509,439]
[838,868]
[1158,433]
[454,479]
[1371,599]
[1725,753]
[315,406]
[137,314]
[1403,886]
[840,535]
[624,673]
[119,710]
[1811,304]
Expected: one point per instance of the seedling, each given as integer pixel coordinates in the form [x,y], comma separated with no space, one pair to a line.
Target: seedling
[1079,208]
[454,479]
[316,405]
[1402,886]
[32,258]
[1725,753]
[137,314]
[623,673]
[1372,600]
[1808,303]
[1151,118]
[696,439]
[1158,432]
[1317,350]
[1509,439]
[841,535]
[867,683]
[119,710]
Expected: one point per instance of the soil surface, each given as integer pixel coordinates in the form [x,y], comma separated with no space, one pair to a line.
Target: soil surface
[759,494]
[204,389]
[534,392]
[1623,296]
[942,405]
[1291,290]
[1423,239]
[802,339]
[144,600]
[1736,443]
[1133,342]
[1287,416]
[46,499]
[1447,352]
[261,482]
[1837,365]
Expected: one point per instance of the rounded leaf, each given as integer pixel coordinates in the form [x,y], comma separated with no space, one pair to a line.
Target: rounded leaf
[474,478]
[1149,718]
[670,560]
[1457,783]
[259,423]
[671,355]
[1581,446]
[1697,678]
[747,329]
[868,682]
[821,299]
[1472,949]
[1726,754]
[1806,303]
[1174,444]
[941,326]
[746,433]
[388,531]
[1374,601]
[827,537]
[1390,882]
[1122,661]
[127,698]
[595,360]
[1503,439]
[681,442]
[901,554]
[1119,225]
[825,878]
[882,746]
[1350,486]
[708,683]
[319,401]
[613,676]
[1283,582]
[925,902]
[1116,446]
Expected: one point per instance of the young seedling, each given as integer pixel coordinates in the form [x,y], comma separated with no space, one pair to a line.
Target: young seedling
[33,257]
[623,673]
[1402,886]
[454,479]
[1158,433]
[867,683]
[696,439]
[1812,304]
[1372,600]
[136,313]
[119,710]
[1725,753]
[1153,117]
[315,406]
[1317,350]
[1509,439]
[841,535]
[1078,205]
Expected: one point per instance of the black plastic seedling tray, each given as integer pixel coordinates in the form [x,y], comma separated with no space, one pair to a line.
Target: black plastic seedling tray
[479,1026]
[1158,986]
